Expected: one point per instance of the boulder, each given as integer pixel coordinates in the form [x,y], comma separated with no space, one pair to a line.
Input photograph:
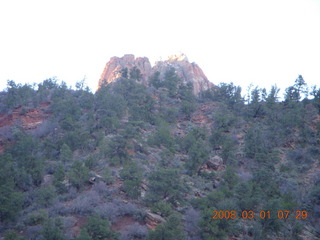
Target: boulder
[153,220]
[215,163]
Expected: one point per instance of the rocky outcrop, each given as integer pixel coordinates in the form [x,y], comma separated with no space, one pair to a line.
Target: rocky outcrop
[188,72]
[215,163]
[28,119]
[112,70]
[153,220]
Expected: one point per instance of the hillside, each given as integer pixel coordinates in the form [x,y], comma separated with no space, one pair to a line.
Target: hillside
[158,153]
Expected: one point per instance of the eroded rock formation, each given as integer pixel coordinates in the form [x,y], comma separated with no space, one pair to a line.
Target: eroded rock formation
[113,68]
[188,72]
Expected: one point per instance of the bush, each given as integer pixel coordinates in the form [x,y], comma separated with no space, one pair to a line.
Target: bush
[53,230]
[85,203]
[132,177]
[165,184]
[117,151]
[45,195]
[134,231]
[162,208]
[12,235]
[36,217]
[99,229]
[118,208]
[170,230]
[78,175]
[191,224]
[187,108]
[162,138]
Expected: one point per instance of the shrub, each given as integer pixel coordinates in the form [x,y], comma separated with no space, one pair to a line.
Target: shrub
[191,224]
[117,208]
[170,230]
[85,203]
[117,151]
[12,235]
[45,195]
[132,177]
[162,208]
[165,184]
[134,231]
[162,138]
[36,217]
[78,174]
[102,189]
[53,230]
[99,229]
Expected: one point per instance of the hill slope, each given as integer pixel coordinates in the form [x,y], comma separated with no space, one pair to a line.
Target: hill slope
[156,161]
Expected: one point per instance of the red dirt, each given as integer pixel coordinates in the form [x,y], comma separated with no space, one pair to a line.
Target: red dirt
[123,222]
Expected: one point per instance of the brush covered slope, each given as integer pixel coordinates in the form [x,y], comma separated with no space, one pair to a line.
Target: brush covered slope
[153,160]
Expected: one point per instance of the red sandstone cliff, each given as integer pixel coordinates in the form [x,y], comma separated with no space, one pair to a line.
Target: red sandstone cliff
[113,68]
[188,72]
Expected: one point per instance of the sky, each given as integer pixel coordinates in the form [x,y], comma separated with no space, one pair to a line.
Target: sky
[249,41]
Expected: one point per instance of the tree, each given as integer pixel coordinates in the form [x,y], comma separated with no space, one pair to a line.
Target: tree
[198,155]
[58,178]
[10,200]
[170,230]
[52,230]
[12,235]
[273,95]
[124,73]
[99,229]
[155,80]
[27,160]
[135,74]
[84,235]
[78,174]
[293,93]
[162,137]
[187,108]
[165,184]
[132,177]
[171,81]
[229,94]
[117,151]
[65,153]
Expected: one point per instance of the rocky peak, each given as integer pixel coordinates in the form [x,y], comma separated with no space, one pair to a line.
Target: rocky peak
[188,72]
[113,68]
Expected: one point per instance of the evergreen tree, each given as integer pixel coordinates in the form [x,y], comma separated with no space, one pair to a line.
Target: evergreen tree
[65,153]
[132,177]
[99,229]
[170,230]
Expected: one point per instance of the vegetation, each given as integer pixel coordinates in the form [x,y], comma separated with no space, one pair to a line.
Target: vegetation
[105,159]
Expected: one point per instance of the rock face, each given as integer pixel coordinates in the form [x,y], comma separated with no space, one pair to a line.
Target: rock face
[29,120]
[188,72]
[113,68]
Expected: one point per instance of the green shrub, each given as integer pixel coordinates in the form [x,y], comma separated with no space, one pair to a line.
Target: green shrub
[170,230]
[163,208]
[12,235]
[78,174]
[99,229]
[162,138]
[165,184]
[132,177]
[37,217]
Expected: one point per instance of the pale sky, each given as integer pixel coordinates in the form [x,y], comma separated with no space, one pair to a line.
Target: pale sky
[248,41]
